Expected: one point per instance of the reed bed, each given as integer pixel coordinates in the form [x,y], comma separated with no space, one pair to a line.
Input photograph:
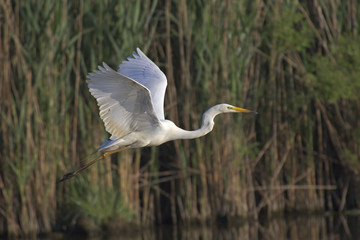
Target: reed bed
[296,63]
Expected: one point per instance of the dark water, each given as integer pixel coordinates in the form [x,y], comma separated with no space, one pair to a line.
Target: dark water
[315,227]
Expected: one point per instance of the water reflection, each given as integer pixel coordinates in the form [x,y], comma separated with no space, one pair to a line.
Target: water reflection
[303,227]
[294,227]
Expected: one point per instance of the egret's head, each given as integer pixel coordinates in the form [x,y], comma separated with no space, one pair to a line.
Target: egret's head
[229,108]
[209,115]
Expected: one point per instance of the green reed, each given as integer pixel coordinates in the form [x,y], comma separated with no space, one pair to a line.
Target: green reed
[282,58]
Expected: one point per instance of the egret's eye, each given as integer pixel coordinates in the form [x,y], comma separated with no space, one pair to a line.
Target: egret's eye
[230,108]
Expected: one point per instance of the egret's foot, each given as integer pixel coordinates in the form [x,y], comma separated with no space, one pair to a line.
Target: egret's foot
[67,176]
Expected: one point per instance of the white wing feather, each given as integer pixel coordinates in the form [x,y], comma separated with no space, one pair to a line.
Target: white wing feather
[144,71]
[125,105]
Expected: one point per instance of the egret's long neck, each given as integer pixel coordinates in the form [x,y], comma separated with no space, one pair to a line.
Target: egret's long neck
[206,126]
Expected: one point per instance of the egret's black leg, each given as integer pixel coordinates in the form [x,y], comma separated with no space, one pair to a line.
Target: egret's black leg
[74,173]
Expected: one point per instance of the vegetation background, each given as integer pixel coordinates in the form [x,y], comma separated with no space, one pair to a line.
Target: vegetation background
[296,62]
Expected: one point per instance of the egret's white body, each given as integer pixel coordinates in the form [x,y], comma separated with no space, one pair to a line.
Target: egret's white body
[131,104]
[165,131]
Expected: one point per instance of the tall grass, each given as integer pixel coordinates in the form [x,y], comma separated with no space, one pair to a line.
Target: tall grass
[295,63]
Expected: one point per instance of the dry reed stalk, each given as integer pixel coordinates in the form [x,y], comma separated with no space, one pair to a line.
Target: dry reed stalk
[240,52]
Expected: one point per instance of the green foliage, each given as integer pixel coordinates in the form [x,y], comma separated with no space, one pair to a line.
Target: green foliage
[49,121]
[281,58]
[337,74]
[98,203]
[289,28]
[352,161]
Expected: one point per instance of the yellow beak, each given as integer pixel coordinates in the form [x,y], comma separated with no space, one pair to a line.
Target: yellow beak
[243,110]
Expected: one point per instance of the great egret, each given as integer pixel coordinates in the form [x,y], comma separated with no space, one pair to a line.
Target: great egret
[131,103]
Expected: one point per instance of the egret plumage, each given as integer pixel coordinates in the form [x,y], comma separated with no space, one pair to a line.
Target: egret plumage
[131,105]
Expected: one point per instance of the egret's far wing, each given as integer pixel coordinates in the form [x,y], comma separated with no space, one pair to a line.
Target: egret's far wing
[125,105]
[144,71]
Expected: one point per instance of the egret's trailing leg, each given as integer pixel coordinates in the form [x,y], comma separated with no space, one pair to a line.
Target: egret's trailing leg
[74,173]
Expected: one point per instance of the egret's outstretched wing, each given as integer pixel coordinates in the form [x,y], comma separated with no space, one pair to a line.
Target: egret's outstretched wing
[144,71]
[125,105]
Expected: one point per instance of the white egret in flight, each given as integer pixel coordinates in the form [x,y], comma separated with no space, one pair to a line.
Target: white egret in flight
[131,104]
